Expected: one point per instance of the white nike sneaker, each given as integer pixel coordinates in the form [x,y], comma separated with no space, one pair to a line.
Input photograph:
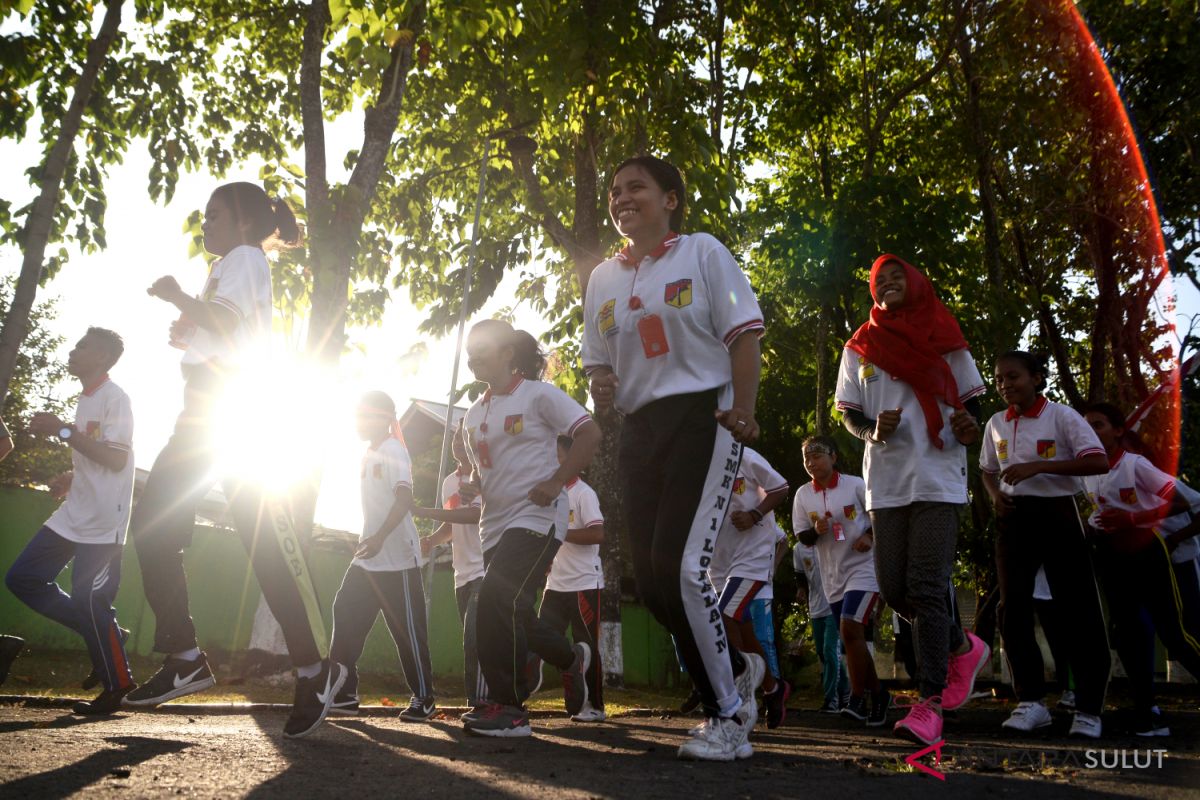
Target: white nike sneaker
[588,714]
[719,740]
[1028,716]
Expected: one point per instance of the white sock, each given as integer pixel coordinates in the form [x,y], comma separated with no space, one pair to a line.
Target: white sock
[310,671]
[187,655]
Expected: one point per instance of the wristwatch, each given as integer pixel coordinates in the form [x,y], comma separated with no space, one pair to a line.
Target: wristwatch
[65,433]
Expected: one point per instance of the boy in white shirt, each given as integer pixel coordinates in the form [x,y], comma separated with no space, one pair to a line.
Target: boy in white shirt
[386,572]
[572,596]
[90,526]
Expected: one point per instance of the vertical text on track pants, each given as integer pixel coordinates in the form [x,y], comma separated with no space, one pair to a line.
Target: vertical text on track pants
[507,628]
[580,611]
[467,598]
[165,516]
[678,466]
[401,598]
[914,555]
[1047,531]
[87,610]
[1143,600]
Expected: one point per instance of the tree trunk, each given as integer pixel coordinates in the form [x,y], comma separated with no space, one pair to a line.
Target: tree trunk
[36,233]
[824,390]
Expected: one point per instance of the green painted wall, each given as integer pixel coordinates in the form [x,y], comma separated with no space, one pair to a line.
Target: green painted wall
[224,596]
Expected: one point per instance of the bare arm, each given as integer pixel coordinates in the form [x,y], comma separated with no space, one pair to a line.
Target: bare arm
[590,535]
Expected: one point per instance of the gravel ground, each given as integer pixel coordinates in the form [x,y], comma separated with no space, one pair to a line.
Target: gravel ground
[210,750]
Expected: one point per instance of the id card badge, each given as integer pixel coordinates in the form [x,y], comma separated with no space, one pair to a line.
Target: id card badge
[654,336]
[839,532]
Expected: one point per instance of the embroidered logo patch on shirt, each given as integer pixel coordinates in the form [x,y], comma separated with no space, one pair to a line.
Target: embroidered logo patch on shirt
[678,293]
[377,471]
[1002,449]
[849,512]
[606,320]
[1045,448]
[92,430]
[866,370]
[514,424]
[571,516]
[812,515]
[1129,496]
[739,486]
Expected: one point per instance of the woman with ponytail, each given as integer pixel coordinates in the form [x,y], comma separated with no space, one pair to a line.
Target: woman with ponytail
[511,434]
[214,330]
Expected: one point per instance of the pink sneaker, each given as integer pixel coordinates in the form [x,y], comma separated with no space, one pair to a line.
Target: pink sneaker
[923,723]
[962,670]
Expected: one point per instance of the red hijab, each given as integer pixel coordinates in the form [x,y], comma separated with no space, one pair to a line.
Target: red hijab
[909,342]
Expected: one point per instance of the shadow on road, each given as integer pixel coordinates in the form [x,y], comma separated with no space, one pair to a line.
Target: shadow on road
[116,761]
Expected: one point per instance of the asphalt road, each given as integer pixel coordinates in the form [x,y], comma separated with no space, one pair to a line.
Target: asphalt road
[211,751]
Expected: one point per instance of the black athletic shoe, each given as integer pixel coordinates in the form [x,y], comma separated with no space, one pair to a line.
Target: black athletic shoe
[690,703]
[93,678]
[776,703]
[855,709]
[175,678]
[314,696]
[10,648]
[419,709]
[574,679]
[345,704]
[881,701]
[830,707]
[104,704]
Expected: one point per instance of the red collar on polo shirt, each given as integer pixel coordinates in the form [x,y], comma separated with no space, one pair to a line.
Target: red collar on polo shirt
[571,482]
[662,247]
[1034,411]
[833,482]
[517,380]
[459,471]
[1116,458]
[88,391]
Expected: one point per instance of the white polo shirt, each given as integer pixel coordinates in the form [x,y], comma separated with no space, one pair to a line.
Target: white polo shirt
[576,567]
[1047,432]
[240,282]
[384,470]
[1189,548]
[908,468]
[805,560]
[512,443]
[1132,483]
[466,550]
[96,510]
[750,553]
[843,501]
[702,298]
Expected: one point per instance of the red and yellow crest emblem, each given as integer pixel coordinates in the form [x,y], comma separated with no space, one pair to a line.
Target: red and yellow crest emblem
[1129,496]
[849,512]
[514,424]
[739,485]
[1045,448]
[678,293]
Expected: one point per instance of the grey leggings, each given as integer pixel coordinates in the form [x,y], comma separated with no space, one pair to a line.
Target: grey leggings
[914,555]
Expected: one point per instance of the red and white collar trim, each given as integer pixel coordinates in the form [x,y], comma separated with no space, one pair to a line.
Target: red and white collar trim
[88,391]
[625,255]
[571,482]
[833,482]
[517,380]
[1115,459]
[1034,411]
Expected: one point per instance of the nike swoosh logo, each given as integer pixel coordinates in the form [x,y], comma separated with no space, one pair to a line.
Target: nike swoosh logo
[324,696]
[180,682]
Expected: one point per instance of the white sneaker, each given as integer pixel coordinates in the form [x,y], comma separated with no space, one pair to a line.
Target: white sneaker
[588,714]
[720,740]
[748,683]
[1027,717]
[1067,700]
[698,730]
[1085,725]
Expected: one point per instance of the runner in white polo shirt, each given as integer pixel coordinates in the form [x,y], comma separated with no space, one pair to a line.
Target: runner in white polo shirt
[572,596]
[1032,458]
[89,527]
[1130,500]
[743,564]
[385,575]
[671,329]
[908,387]
[511,434]
[830,513]
[460,527]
